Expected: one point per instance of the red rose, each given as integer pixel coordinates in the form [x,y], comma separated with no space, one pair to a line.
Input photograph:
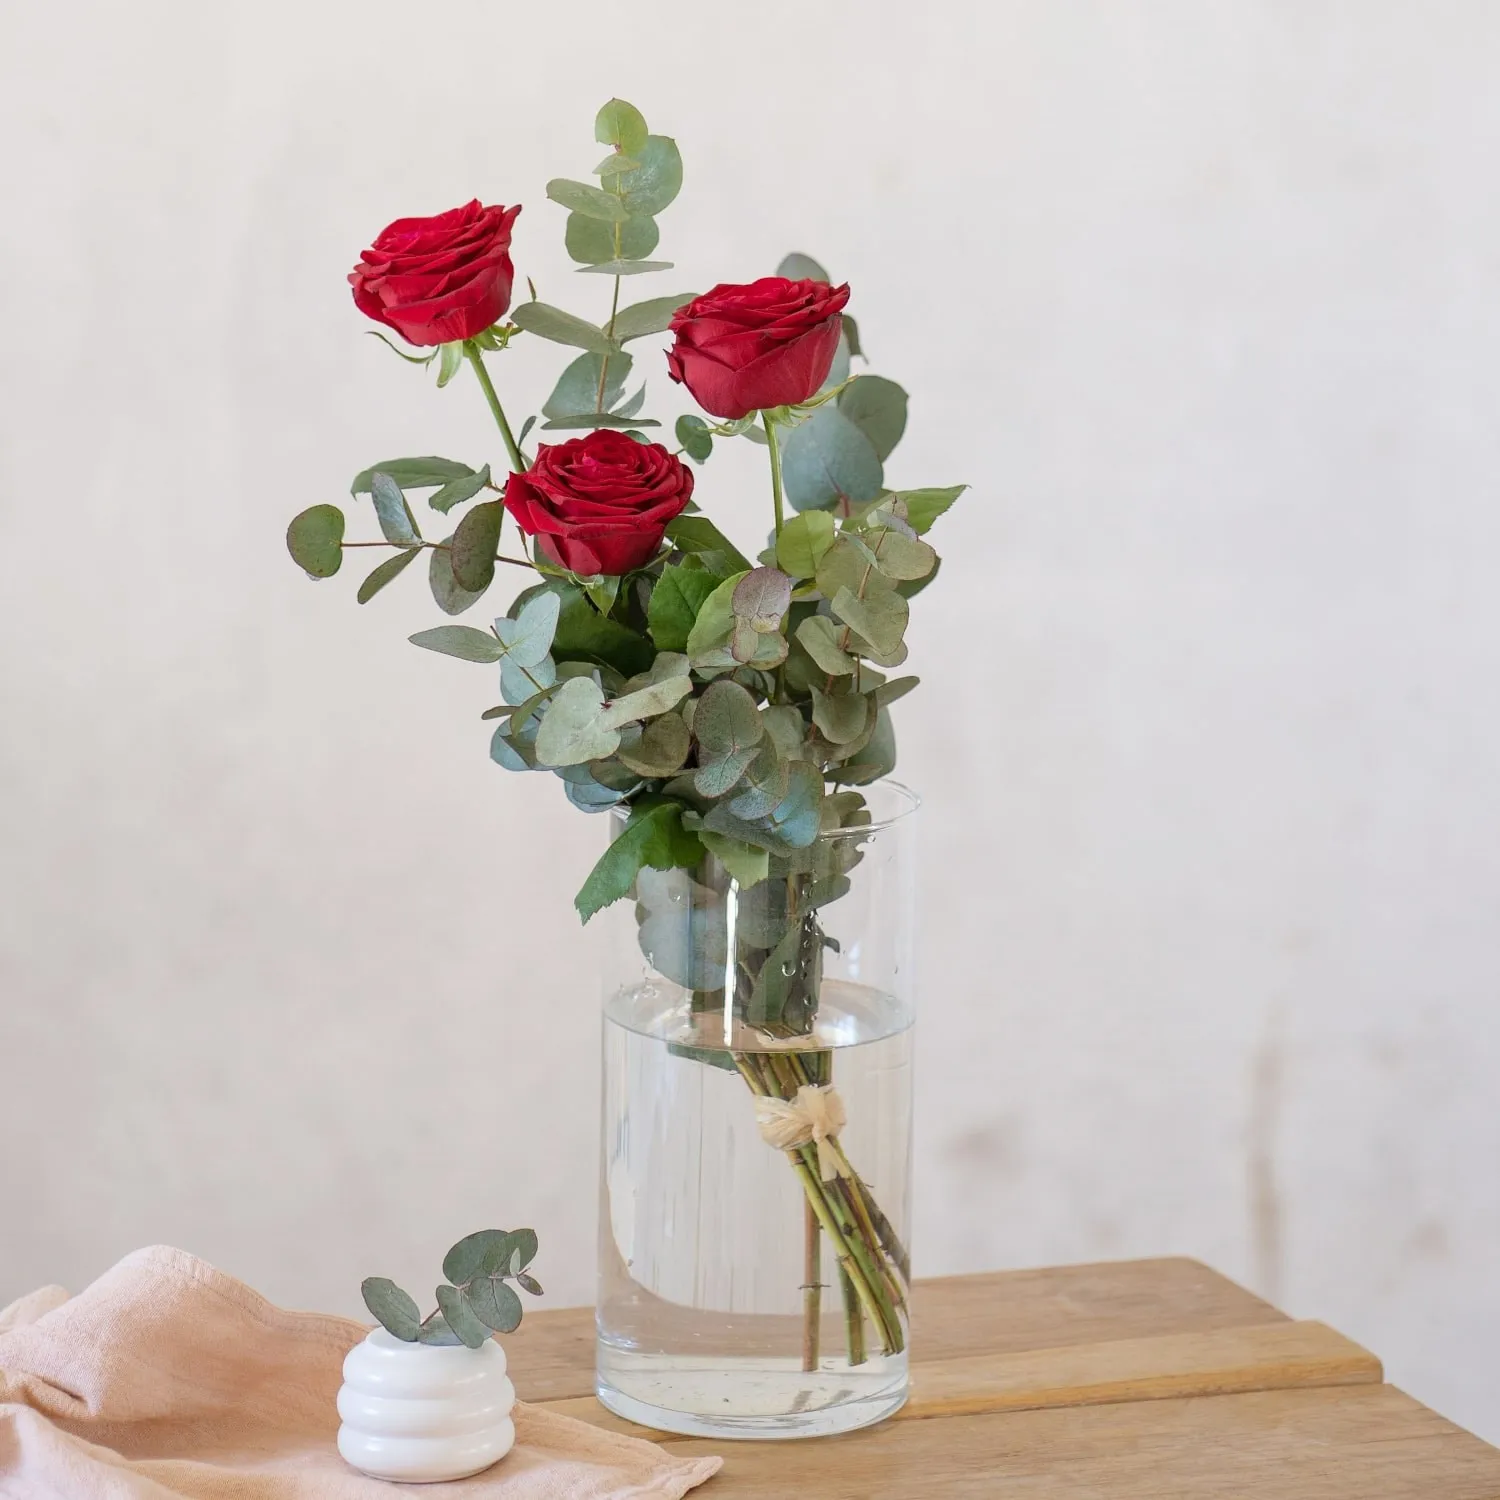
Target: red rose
[438,279]
[741,349]
[601,503]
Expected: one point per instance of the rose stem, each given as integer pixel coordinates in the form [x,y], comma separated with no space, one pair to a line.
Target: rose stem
[775,448]
[812,1289]
[854,1325]
[475,358]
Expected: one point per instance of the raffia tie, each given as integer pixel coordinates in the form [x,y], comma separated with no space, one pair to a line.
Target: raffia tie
[816,1114]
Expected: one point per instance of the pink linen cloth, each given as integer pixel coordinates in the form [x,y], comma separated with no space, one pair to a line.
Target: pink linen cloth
[168,1380]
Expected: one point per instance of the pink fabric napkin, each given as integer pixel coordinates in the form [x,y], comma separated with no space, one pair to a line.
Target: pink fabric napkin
[167,1380]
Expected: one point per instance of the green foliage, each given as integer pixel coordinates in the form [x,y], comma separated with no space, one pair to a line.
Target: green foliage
[462,641]
[472,554]
[411,473]
[642,318]
[594,243]
[446,593]
[699,536]
[561,327]
[577,389]
[798,267]
[458,490]
[715,621]
[475,1301]
[696,440]
[315,540]
[878,408]
[591,202]
[383,574]
[679,594]
[654,837]
[397,524]
[923,507]
[803,543]
[622,126]
[653,185]
[828,461]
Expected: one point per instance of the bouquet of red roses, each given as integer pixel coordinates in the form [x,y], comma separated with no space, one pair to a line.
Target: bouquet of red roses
[726,709]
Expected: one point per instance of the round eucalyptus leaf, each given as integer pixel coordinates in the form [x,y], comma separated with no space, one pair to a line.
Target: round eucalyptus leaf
[622,125]
[828,460]
[463,1261]
[314,539]
[494,1304]
[584,198]
[392,1308]
[799,267]
[591,242]
[878,408]
[658,179]
[460,1317]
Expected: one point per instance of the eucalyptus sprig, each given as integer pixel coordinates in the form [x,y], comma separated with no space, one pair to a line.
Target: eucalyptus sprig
[475,1301]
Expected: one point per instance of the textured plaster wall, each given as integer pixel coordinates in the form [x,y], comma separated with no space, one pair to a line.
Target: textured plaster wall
[1201,296]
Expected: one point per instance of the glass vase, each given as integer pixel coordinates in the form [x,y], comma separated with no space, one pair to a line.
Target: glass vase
[755,1187]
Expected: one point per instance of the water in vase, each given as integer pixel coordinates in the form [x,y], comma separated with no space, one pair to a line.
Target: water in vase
[707,1233]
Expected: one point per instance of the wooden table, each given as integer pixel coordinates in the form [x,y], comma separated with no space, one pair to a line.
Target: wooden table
[1139,1380]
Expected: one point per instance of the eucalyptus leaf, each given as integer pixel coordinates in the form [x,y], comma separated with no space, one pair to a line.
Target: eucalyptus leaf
[450,598]
[799,267]
[462,641]
[573,728]
[621,125]
[819,637]
[392,1308]
[761,598]
[642,318]
[472,552]
[560,327]
[877,407]
[435,1330]
[593,420]
[662,748]
[494,1304]
[658,179]
[764,783]
[411,473]
[459,1316]
[721,773]
[456,491]
[880,617]
[627,267]
[519,684]
[583,198]
[889,692]
[803,542]
[614,164]
[528,636]
[577,388]
[592,242]
[583,634]
[397,524]
[530,1283]
[463,1262]
[828,461]
[898,556]
[848,564]
[646,702]
[841,717]
[727,719]
[383,574]
[315,539]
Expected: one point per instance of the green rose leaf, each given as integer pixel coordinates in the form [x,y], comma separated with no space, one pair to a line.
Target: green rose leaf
[819,637]
[923,507]
[591,242]
[397,524]
[528,637]
[695,438]
[715,621]
[746,864]
[799,267]
[473,546]
[573,729]
[577,389]
[642,318]
[658,179]
[699,535]
[460,1317]
[584,635]
[654,837]
[456,491]
[385,573]
[560,327]
[315,539]
[827,461]
[878,408]
[411,473]
[462,641]
[392,1308]
[621,125]
[761,599]
[450,598]
[584,198]
[803,542]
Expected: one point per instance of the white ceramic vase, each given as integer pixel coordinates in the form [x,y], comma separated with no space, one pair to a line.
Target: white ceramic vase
[423,1412]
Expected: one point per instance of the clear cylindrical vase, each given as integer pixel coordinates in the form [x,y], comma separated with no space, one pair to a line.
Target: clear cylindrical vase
[755,1188]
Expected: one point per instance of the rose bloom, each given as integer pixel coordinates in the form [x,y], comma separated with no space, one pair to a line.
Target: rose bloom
[601,503]
[438,279]
[741,349]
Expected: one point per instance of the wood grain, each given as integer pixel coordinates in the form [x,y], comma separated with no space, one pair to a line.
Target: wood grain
[552,1353]
[1366,1442]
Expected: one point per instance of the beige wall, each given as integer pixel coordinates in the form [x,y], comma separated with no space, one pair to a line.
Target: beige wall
[1201,297]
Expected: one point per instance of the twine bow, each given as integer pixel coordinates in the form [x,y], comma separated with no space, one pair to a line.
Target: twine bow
[816,1114]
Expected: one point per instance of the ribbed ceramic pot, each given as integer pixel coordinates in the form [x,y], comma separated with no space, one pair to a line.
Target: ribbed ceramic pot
[423,1412]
